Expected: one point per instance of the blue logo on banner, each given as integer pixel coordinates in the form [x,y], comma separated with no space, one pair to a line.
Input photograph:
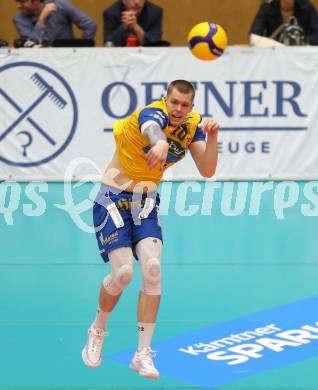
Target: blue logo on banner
[232,350]
[39,113]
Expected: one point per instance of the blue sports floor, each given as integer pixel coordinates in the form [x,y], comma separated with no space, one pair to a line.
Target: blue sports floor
[229,267]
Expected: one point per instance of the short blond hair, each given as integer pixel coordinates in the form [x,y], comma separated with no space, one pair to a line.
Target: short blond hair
[183,86]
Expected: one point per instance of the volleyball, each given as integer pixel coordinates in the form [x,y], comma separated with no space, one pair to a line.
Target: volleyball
[207,41]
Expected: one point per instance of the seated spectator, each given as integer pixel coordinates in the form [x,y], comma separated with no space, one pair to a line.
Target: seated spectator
[44,21]
[139,18]
[273,14]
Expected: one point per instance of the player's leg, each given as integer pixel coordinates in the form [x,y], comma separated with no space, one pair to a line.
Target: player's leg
[121,261]
[113,233]
[148,251]
[122,267]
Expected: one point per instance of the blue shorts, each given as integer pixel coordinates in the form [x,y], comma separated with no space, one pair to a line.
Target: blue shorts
[129,206]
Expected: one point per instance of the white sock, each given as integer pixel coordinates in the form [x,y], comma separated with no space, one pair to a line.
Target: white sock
[145,332]
[101,318]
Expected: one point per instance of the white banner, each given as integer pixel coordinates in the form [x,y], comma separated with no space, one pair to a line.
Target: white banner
[58,106]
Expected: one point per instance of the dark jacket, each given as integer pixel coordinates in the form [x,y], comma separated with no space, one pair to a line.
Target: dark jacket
[150,19]
[269,18]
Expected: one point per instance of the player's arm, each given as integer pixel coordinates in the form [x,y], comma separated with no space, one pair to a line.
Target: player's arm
[205,153]
[158,142]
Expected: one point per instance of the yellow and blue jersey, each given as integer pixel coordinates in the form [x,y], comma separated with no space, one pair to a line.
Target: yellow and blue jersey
[132,145]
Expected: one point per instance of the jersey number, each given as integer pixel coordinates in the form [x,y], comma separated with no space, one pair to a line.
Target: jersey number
[180,133]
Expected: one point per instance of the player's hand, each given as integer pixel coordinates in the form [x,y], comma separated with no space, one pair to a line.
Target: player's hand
[157,154]
[210,126]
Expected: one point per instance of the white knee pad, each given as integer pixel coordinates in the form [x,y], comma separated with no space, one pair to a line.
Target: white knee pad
[151,274]
[149,251]
[114,284]
[122,271]
[152,271]
[124,275]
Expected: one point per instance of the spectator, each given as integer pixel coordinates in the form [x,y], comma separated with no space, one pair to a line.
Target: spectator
[44,21]
[140,18]
[273,13]
[3,43]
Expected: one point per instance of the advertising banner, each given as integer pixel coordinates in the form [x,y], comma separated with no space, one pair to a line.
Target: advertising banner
[58,107]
